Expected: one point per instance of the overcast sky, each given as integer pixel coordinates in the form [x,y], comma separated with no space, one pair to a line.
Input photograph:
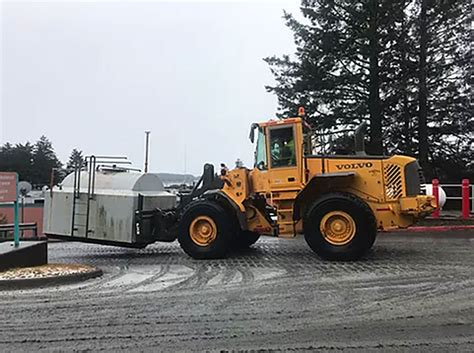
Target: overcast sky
[96,74]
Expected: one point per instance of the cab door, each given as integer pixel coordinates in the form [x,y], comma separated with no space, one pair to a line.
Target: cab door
[284,173]
[284,169]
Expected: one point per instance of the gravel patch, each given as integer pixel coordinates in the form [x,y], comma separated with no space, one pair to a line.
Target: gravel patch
[44,271]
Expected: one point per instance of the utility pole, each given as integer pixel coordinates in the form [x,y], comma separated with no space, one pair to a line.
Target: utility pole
[185,162]
[147,140]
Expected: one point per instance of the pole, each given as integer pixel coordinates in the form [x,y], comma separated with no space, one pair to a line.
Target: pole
[185,165]
[16,229]
[22,211]
[435,184]
[185,162]
[147,133]
[465,198]
[472,198]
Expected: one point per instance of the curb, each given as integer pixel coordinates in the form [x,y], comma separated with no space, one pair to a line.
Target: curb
[435,228]
[27,239]
[24,283]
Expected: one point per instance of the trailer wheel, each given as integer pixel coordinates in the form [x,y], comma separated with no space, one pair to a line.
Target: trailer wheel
[340,227]
[205,231]
[246,239]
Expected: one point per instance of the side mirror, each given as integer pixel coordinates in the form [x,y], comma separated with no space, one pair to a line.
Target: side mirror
[252,132]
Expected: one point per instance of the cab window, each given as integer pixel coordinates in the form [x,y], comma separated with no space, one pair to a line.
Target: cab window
[261,151]
[282,147]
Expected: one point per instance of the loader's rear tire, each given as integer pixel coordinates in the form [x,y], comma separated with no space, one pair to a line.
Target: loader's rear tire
[205,230]
[246,239]
[340,226]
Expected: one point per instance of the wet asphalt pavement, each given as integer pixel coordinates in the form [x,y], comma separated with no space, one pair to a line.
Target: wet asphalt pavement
[412,292]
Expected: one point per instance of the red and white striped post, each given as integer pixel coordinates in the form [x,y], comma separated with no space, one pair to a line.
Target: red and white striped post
[465,198]
[435,183]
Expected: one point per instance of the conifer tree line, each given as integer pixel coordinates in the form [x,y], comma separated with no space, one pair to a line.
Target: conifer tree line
[403,66]
[35,162]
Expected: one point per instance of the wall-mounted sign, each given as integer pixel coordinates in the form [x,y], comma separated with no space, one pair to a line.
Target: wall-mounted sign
[8,185]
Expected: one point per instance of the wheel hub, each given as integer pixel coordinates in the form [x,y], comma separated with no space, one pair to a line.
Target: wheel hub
[203,230]
[338,227]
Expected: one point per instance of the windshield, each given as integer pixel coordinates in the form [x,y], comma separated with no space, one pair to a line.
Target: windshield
[260,151]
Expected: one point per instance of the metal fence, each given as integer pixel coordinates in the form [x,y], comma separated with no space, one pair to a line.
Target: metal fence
[459,186]
[464,193]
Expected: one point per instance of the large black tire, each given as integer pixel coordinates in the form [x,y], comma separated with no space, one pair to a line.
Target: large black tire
[246,239]
[198,217]
[356,239]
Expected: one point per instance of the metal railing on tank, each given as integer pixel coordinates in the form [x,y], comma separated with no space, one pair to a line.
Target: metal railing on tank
[91,165]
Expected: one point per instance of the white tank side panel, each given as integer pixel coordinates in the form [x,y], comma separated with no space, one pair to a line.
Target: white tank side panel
[57,213]
[114,219]
[111,217]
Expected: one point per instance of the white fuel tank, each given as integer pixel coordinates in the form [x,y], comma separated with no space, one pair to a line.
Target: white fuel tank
[102,206]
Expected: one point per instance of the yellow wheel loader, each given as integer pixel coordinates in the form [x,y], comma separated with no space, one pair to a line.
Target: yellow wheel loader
[338,202]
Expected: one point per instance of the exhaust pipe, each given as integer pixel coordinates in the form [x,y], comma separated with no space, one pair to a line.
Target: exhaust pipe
[359,146]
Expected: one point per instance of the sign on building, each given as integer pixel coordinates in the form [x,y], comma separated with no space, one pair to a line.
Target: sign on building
[9,193]
[8,185]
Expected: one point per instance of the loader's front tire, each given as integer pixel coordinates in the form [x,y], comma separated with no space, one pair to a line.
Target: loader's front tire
[340,226]
[246,239]
[205,230]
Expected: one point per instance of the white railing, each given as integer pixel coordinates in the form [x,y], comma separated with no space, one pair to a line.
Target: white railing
[466,198]
[453,186]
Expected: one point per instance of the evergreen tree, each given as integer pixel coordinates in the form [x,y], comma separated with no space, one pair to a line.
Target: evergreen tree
[44,162]
[399,85]
[22,161]
[75,159]
[422,88]
[18,158]
[33,163]
[6,157]
[448,140]
[337,73]
[402,65]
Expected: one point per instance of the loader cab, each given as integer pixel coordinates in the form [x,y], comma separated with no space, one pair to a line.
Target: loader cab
[279,153]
